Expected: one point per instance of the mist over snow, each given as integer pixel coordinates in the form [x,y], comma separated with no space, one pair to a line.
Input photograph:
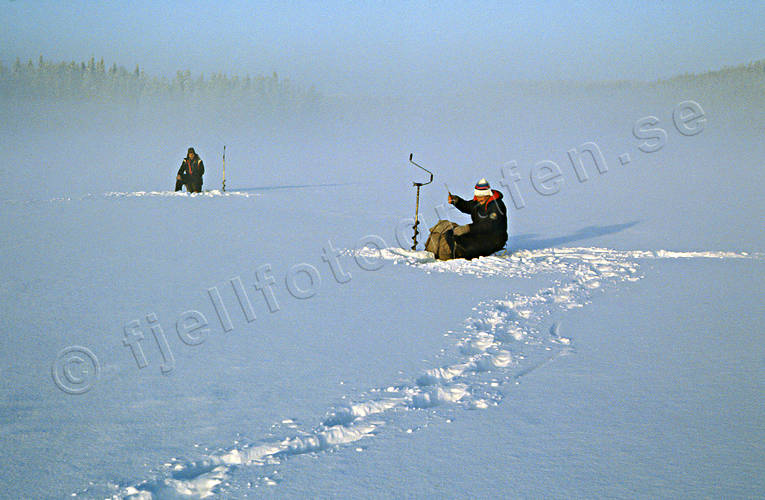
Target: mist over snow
[279,134]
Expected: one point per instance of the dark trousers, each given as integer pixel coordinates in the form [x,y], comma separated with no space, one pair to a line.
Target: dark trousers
[472,246]
[191,186]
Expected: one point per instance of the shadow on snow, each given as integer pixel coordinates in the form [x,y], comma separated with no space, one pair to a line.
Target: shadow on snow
[295,186]
[533,241]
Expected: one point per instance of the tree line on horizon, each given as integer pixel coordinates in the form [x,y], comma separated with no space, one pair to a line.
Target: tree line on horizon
[749,76]
[92,80]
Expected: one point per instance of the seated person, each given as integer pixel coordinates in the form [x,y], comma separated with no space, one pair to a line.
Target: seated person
[487,233]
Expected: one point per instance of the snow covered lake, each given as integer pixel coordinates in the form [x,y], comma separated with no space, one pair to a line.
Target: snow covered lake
[276,340]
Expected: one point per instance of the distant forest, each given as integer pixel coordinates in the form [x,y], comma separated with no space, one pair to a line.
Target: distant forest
[743,78]
[749,76]
[93,80]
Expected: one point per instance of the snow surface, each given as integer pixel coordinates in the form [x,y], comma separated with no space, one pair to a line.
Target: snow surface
[614,350]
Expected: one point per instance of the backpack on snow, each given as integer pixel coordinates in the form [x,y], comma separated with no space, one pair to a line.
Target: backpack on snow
[438,244]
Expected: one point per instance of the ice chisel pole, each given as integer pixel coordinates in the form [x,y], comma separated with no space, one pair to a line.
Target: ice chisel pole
[224,167]
[418,185]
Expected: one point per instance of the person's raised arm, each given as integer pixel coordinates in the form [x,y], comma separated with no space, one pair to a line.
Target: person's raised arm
[461,205]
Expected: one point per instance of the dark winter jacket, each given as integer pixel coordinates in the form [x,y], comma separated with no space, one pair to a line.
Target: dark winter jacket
[488,229]
[191,171]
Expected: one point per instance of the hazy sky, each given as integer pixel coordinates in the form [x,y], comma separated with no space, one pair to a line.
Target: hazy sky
[394,46]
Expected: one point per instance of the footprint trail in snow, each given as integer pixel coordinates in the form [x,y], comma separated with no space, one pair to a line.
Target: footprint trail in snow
[503,340]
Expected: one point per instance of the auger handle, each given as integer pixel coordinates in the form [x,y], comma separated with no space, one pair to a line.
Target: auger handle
[411,155]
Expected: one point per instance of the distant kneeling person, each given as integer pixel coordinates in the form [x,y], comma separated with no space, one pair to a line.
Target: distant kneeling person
[486,234]
[191,172]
